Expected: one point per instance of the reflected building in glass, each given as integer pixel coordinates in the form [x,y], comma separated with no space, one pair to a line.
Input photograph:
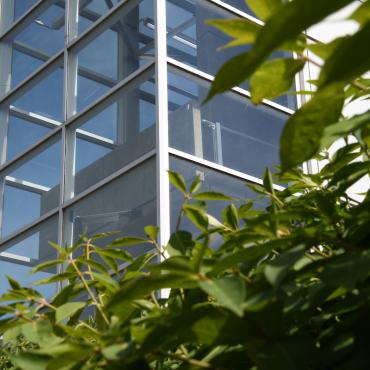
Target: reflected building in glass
[98,99]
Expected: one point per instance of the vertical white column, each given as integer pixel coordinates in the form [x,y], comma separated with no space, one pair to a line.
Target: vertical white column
[6,14]
[68,136]
[6,20]
[163,193]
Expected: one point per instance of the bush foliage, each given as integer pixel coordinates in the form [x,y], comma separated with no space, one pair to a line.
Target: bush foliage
[286,287]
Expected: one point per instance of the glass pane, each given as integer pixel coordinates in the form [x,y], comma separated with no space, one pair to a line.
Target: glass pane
[212,180]
[20,255]
[229,130]
[117,52]
[115,135]
[192,41]
[31,116]
[45,98]
[91,10]
[33,46]
[21,6]
[31,189]
[127,204]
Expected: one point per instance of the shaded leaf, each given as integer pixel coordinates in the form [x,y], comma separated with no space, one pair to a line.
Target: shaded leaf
[274,78]
[341,69]
[177,181]
[229,292]
[67,310]
[301,136]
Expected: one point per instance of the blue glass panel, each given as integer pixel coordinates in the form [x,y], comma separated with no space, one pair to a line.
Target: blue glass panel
[21,6]
[22,134]
[37,43]
[123,47]
[127,205]
[46,97]
[91,11]
[192,41]
[117,134]
[22,66]
[229,130]
[32,189]
[19,256]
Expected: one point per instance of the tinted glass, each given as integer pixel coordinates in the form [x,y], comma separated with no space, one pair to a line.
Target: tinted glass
[20,255]
[115,135]
[117,52]
[31,189]
[192,41]
[127,204]
[32,47]
[229,130]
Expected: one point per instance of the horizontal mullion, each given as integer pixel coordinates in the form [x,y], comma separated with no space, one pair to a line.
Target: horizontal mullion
[207,77]
[220,168]
[28,227]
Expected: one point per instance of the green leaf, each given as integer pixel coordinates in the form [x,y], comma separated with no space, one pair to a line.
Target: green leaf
[230,216]
[177,181]
[60,249]
[230,292]
[211,195]
[286,24]
[115,351]
[180,241]
[197,215]
[267,182]
[362,13]
[151,232]
[114,253]
[46,265]
[106,281]
[263,8]
[302,133]
[128,241]
[30,361]
[195,185]
[241,30]
[323,50]
[142,286]
[274,78]
[339,68]
[67,310]
[276,270]
[56,278]
[13,283]
[344,128]
[365,134]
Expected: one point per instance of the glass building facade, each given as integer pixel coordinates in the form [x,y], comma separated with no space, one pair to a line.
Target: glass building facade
[98,99]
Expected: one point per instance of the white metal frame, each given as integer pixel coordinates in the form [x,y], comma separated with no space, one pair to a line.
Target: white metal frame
[69,128]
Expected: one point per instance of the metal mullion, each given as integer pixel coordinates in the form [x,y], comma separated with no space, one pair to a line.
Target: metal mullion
[209,78]
[33,117]
[29,226]
[35,149]
[33,79]
[162,158]
[26,19]
[111,95]
[235,11]
[220,168]
[102,24]
[104,101]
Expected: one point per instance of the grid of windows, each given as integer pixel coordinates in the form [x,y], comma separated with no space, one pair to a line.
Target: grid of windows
[97,103]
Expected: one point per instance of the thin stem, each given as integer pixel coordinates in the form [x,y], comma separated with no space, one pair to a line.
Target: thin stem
[89,291]
[190,361]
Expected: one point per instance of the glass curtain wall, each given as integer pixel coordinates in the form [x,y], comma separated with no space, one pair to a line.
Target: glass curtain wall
[97,103]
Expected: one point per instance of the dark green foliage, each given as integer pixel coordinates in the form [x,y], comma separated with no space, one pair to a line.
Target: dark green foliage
[286,287]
